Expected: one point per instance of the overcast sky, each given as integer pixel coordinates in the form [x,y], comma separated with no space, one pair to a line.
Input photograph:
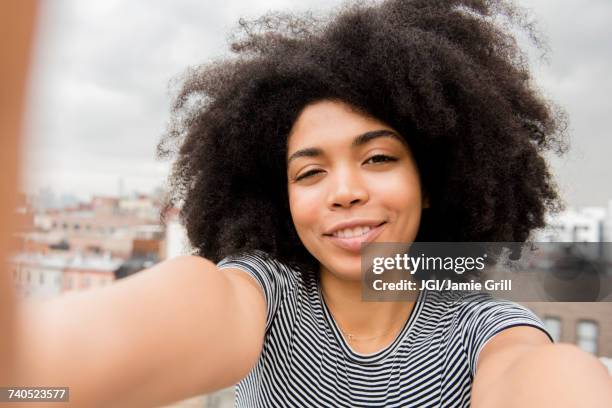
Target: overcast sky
[100,87]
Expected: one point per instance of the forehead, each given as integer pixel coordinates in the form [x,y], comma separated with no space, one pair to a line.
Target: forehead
[329,120]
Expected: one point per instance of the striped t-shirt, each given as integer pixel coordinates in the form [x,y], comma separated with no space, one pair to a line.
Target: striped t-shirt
[305,361]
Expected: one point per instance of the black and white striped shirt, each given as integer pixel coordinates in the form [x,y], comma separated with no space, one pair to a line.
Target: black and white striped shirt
[305,361]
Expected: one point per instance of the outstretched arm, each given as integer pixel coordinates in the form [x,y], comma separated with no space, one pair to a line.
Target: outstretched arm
[17,22]
[177,330]
[519,367]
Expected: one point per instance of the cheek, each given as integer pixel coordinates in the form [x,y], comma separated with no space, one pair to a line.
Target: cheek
[399,190]
[304,205]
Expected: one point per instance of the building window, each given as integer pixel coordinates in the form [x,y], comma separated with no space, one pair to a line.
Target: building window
[553,325]
[587,334]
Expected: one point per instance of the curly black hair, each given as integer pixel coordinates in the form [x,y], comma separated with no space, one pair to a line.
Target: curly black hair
[446,74]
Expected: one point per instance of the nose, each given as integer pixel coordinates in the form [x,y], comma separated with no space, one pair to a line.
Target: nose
[347,189]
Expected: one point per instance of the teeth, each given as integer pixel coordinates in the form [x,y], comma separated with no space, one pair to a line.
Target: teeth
[352,232]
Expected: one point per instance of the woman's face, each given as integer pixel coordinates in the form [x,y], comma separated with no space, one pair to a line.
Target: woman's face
[351,179]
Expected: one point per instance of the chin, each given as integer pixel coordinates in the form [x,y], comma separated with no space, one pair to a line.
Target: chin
[346,266]
[346,272]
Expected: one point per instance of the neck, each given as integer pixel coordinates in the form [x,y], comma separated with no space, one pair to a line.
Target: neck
[357,317]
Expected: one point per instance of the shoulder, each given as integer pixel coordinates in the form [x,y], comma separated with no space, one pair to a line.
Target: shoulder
[468,309]
[506,346]
[479,318]
[254,257]
[474,309]
[262,265]
[277,281]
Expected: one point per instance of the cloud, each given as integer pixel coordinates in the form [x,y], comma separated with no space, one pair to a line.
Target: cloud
[100,98]
[100,84]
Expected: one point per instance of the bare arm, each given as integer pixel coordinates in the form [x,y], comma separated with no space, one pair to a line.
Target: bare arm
[17,18]
[177,330]
[521,368]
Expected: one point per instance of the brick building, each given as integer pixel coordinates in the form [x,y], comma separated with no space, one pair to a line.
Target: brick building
[586,324]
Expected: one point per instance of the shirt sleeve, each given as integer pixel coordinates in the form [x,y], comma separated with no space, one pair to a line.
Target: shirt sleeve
[484,316]
[266,272]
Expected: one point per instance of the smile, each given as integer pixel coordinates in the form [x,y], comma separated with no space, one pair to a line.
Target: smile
[352,232]
[351,239]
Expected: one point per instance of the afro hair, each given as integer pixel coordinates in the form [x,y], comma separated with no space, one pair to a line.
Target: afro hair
[447,75]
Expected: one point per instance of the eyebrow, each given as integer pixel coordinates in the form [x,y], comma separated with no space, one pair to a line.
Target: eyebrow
[360,140]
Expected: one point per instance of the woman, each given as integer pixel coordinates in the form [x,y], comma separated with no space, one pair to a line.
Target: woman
[397,122]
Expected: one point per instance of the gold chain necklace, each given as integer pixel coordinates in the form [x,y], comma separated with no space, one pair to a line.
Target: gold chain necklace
[351,337]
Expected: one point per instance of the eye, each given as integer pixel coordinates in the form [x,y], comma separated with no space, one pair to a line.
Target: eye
[307,174]
[380,158]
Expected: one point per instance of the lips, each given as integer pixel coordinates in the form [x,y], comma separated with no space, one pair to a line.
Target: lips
[350,224]
[353,244]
